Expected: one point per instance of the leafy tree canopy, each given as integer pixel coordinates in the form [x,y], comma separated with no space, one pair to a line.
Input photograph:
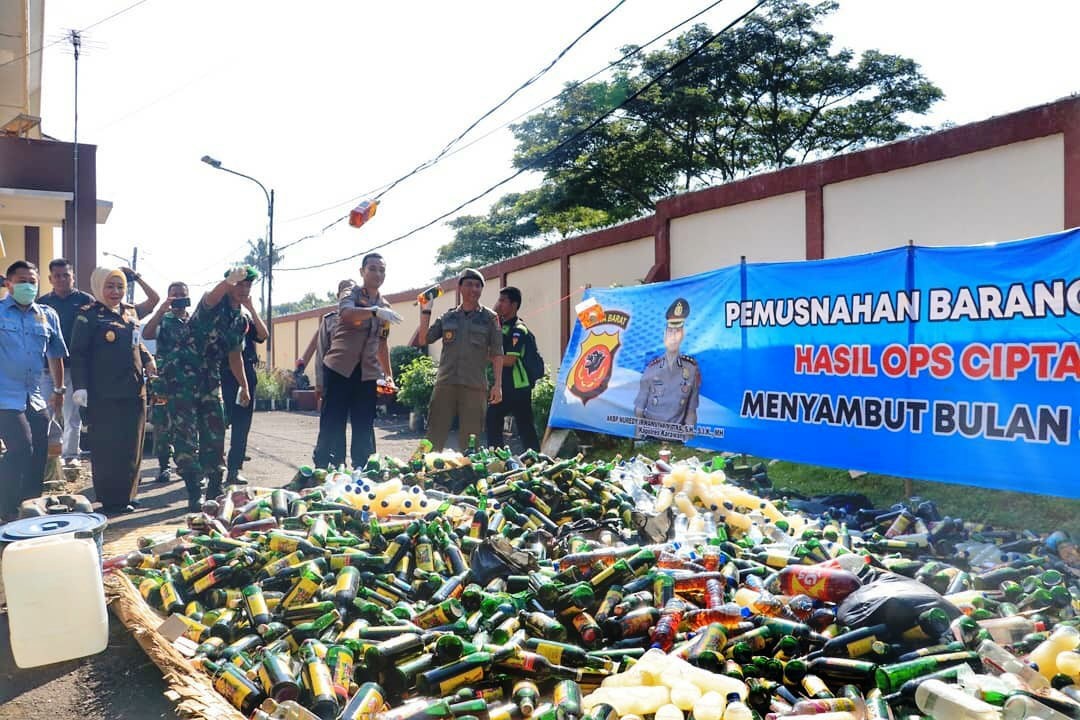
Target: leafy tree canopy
[769,93]
[310,301]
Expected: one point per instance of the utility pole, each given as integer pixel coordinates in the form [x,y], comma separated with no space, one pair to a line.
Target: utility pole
[75,37]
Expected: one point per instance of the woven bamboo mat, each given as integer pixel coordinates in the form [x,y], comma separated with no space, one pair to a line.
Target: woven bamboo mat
[123,541]
[189,688]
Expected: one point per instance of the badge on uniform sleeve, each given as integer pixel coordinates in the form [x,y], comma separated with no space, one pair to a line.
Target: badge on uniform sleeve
[110,336]
[448,336]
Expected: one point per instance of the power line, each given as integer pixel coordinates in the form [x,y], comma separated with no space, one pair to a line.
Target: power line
[573,138]
[569,88]
[505,100]
[65,37]
[383,189]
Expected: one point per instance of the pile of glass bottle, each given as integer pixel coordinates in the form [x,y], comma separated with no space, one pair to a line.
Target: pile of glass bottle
[524,586]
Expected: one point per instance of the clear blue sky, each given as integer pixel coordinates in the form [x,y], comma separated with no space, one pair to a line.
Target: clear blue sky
[325,100]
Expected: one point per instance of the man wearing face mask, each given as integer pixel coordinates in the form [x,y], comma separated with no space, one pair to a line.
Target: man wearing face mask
[66,300]
[28,332]
[216,336]
[109,366]
[170,329]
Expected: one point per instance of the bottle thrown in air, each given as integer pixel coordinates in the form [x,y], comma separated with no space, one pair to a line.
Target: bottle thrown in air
[363,212]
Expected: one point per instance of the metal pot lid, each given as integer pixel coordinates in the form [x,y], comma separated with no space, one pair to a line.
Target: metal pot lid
[36,527]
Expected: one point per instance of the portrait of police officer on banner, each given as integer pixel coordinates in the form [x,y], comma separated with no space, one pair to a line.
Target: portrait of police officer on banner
[671,382]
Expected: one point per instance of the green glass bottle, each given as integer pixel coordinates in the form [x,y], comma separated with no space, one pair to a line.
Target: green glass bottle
[526,695]
[543,625]
[317,680]
[232,684]
[277,678]
[369,700]
[889,678]
[467,670]
[566,697]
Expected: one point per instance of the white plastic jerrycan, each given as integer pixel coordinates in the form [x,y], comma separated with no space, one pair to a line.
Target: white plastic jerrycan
[56,601]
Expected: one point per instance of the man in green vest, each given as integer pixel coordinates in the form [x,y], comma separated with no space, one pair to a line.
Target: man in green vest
[517,389]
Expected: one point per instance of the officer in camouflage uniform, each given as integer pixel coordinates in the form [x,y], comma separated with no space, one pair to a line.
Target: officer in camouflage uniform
[169,328]
[216,335]
[671,383]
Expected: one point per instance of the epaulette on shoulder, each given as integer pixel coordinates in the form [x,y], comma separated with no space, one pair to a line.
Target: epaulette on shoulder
[688,358]
[87,306]
[655,360]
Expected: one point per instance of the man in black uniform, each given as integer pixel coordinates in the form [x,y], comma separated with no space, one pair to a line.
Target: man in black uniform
[671,382]
[517,390]
[66,300]
[239,416]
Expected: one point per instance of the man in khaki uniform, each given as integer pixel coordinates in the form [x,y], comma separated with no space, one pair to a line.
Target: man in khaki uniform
[471,335]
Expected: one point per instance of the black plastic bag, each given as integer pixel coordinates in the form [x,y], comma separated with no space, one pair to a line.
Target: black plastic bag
[496,557]
[891,599]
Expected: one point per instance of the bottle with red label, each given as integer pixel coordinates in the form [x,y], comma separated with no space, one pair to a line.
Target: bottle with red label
[820,583]
[363,212]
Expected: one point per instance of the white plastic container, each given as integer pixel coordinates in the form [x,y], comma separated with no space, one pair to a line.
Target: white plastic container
[56,601]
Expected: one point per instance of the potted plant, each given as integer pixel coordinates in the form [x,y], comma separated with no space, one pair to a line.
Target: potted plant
[415,385]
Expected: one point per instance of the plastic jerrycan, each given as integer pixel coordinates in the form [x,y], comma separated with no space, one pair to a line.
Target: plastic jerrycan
[56,601]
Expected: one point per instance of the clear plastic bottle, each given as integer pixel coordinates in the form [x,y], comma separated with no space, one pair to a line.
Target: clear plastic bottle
[1001,660]
[710,706]
[1068,663]
[1010,630]
[949,702]
[1019,707]
[736,709]
[668,712]
[1064,637]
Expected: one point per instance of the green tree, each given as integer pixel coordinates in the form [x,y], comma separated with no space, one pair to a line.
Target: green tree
[258,257]
[770,93]
[483,239]
[310,301]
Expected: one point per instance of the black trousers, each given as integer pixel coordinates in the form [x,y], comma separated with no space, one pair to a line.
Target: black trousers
[346,399]
[22,469]
[116,444]
[516,402]
[237,417]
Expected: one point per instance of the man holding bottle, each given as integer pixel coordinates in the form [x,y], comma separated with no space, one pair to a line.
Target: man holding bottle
[470,335]
[216,333]
[66,300]
[357,359]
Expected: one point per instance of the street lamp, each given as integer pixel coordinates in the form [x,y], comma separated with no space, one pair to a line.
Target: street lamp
[216,164]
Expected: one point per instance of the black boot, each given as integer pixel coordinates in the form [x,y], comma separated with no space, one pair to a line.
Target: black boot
[213,486]
[193,485]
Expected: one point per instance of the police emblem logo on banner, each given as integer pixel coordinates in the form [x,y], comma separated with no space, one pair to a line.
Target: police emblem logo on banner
[591,372]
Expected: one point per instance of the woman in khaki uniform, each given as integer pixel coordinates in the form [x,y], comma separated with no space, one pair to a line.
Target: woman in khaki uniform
[108,364]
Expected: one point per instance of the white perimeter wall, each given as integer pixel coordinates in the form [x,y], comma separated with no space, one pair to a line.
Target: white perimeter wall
[625,264]
[540,306]
[1005,193]
[768,230]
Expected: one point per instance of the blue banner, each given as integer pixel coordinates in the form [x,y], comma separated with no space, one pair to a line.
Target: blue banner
[956,364]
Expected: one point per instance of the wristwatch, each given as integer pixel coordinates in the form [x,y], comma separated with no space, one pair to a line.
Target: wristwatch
[59,390]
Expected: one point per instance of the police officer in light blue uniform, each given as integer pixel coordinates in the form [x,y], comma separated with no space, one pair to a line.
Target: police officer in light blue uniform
[671,382]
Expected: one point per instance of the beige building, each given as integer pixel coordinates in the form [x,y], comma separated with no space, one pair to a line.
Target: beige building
[1005,178]
[38,192]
